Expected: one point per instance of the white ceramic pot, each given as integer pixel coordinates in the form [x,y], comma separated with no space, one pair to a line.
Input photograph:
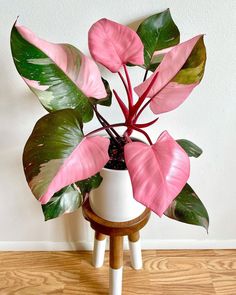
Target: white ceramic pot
[113,199]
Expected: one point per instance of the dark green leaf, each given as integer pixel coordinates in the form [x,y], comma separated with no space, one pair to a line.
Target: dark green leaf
[188,208]
[190,148]
[157,32]
[89,184]
[67,200]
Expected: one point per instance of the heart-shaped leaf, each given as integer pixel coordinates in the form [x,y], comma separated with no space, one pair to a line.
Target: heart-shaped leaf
[67,200]
[57,154]
[114,45]
[181,70]
[157,32]
[158,172]
[188,208]
[190,148]
[59,74]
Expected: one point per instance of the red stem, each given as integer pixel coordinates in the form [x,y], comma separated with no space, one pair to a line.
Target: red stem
[143,132]
[129,87]
[142,109]
[144,125]
[123,107]
[123,81]
[106,127]
[143,96]
[120,125]
[129,95]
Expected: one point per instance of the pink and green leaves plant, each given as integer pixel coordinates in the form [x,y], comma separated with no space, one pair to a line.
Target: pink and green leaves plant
[62,164]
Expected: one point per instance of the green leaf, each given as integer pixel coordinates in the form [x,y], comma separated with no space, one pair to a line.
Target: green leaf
[157,32]
[188,208]
[190,148]
[53,139]
[67,200]
[89,184]
[59,91]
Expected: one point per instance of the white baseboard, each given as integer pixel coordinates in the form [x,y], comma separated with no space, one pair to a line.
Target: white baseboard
[146,245]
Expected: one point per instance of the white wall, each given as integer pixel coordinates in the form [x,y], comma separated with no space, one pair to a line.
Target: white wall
[208,118]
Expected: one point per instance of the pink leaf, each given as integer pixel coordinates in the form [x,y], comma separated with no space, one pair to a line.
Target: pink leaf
[114,45]
[158,172]
[165,90]
[82,70]
[88,158]
[170,97]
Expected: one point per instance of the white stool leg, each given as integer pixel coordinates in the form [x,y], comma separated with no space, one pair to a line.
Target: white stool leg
[116,265]
[99,249]
[135,251]
[115,281]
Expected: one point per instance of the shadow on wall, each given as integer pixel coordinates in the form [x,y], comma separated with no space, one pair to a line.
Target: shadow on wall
[76,229]
[134,25]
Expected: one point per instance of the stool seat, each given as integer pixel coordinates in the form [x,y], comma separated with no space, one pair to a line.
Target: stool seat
[116,231]
[111,228]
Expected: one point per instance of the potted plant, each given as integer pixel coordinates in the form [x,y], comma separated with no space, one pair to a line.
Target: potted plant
[62,163]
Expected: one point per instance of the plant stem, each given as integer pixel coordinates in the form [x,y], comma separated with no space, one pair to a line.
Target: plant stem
[143,96]
[104,123]
[145,75]
[130,97]
[123,107]
[143,132]
[112,129]
[106,127]
[120,125]
[142,109]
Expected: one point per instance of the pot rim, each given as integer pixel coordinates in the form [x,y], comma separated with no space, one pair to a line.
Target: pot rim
[116,170]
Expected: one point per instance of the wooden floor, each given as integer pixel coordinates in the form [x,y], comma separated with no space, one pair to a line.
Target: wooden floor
[165,272]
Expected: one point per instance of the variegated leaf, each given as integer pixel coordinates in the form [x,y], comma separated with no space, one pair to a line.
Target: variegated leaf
[188,208]
[59,74]
[180,71]
[57,154]
[67,200]
[89,184]
[157,32]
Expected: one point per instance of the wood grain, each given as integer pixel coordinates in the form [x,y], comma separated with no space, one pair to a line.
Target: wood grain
[176,272]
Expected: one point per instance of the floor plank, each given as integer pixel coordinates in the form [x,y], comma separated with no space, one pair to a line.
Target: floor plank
[172,272]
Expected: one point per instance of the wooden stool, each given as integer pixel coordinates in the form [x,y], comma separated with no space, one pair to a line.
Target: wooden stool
[116,231]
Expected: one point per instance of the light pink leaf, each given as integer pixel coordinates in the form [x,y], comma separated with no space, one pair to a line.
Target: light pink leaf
[88,158]
[165,89]
[158,172]
[82,70]
[170,97]
[114,45]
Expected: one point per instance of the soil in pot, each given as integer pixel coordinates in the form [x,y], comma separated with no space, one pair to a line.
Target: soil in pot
[116,153]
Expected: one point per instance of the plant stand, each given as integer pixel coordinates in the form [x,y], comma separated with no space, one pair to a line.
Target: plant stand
[116,231]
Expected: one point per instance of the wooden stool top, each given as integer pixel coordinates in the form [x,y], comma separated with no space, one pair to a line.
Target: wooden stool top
[114,228]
